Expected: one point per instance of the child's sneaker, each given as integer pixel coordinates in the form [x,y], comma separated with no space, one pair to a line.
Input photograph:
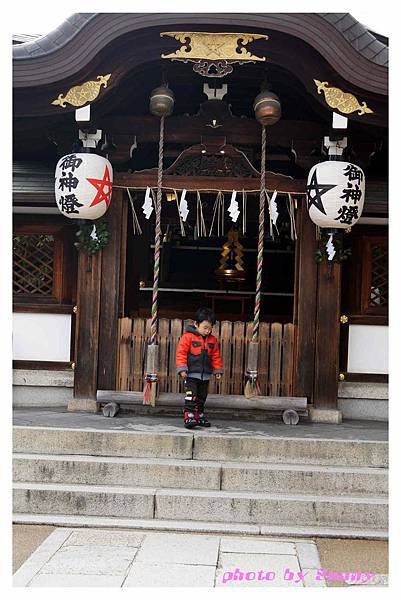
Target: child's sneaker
[189,420]
[201,419]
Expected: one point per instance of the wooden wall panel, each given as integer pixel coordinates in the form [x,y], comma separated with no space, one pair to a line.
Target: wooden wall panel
[327,335]
[87,326]
[112,290]
[305,304]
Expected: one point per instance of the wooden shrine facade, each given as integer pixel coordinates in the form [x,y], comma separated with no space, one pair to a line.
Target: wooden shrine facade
[209,119]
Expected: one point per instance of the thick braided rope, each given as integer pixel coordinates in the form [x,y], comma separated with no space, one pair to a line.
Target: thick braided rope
[156,266]
[262,200]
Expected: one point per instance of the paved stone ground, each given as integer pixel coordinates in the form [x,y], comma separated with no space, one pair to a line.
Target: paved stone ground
[71,557]
[60,417]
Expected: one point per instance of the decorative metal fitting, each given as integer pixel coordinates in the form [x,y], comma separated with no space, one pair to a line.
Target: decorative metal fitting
[75,309]
[73,366]
[342,101]
[81,94]
[213,53]
[341,377]
[344,319]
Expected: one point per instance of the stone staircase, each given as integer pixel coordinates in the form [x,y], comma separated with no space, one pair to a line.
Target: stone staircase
[201,481]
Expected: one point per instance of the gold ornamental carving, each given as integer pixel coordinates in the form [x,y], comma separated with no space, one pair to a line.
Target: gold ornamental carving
[213,46]
[342,101]
[81,94]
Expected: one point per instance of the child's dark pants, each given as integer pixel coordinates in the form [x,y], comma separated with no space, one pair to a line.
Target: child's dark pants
[199,389]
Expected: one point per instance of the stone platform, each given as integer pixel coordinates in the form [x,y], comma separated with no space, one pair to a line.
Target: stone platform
[60,417]
[81,469]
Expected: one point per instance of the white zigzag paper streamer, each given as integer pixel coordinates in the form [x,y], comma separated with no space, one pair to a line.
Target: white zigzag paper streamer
[330,247]
[94,234]
[273,208]
[147,206]
[233,209]
[183,207]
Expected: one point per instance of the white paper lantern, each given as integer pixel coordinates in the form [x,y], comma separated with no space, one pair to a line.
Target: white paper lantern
[83,185]
[335,194]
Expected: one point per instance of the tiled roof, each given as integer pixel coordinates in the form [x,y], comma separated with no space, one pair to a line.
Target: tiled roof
[23,38]
[363,40]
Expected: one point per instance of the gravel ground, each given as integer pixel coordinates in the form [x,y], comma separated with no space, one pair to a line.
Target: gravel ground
[26,538]
[352,555]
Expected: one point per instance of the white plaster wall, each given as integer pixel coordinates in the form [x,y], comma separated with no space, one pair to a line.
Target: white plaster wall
[41,336]
[368,349]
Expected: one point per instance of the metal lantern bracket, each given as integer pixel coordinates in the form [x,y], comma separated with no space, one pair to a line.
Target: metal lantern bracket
[90,137]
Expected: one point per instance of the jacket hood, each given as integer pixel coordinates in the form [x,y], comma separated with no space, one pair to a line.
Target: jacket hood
[192,329]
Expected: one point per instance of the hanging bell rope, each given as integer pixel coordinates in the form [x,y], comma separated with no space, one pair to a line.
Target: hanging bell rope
[161,105]
[267,111]
[156,264]
[252,388]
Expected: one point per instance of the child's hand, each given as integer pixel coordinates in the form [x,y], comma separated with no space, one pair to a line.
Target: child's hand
[218,375]
[183,374]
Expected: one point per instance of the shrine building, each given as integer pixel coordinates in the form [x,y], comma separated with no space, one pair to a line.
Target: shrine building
[252,103]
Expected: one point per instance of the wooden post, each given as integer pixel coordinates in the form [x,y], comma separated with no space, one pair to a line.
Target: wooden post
[112,290]
[305,304]
[327,341]
[87,333]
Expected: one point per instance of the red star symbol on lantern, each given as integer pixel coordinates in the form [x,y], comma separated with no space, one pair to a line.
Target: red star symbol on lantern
[102,185]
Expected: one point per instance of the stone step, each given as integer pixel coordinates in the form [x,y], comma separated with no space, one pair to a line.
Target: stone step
[201,445]
[201,505]
[296,531]
[190,474]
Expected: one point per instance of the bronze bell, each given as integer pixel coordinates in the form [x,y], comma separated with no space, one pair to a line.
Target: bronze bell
[267,108]
[161,101]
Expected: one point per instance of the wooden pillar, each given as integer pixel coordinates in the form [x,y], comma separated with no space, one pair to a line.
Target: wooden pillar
[112,290]
[327,336]
[305,303]
[87,332]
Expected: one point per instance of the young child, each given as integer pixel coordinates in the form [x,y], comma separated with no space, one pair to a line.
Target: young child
[197,359]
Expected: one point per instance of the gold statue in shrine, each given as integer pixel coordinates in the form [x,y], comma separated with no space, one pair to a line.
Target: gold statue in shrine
[231,267]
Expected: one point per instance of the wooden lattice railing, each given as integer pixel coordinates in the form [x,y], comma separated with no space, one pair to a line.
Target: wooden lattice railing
[379,275]
[276,346]
[33,264]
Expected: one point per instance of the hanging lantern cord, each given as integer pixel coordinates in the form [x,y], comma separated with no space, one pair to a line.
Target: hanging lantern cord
[262,200]
[153,329]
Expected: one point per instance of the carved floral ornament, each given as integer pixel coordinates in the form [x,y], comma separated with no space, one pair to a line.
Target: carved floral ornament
[213,53]
[81,94]
[342,101]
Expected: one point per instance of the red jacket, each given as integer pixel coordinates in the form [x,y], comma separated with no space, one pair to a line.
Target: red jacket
[199,356]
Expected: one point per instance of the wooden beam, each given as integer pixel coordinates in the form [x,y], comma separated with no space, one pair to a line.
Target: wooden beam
[87,333]
[112,289]
[305,303]
[184,130]
[231,401]
[327,335]
[142,179]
